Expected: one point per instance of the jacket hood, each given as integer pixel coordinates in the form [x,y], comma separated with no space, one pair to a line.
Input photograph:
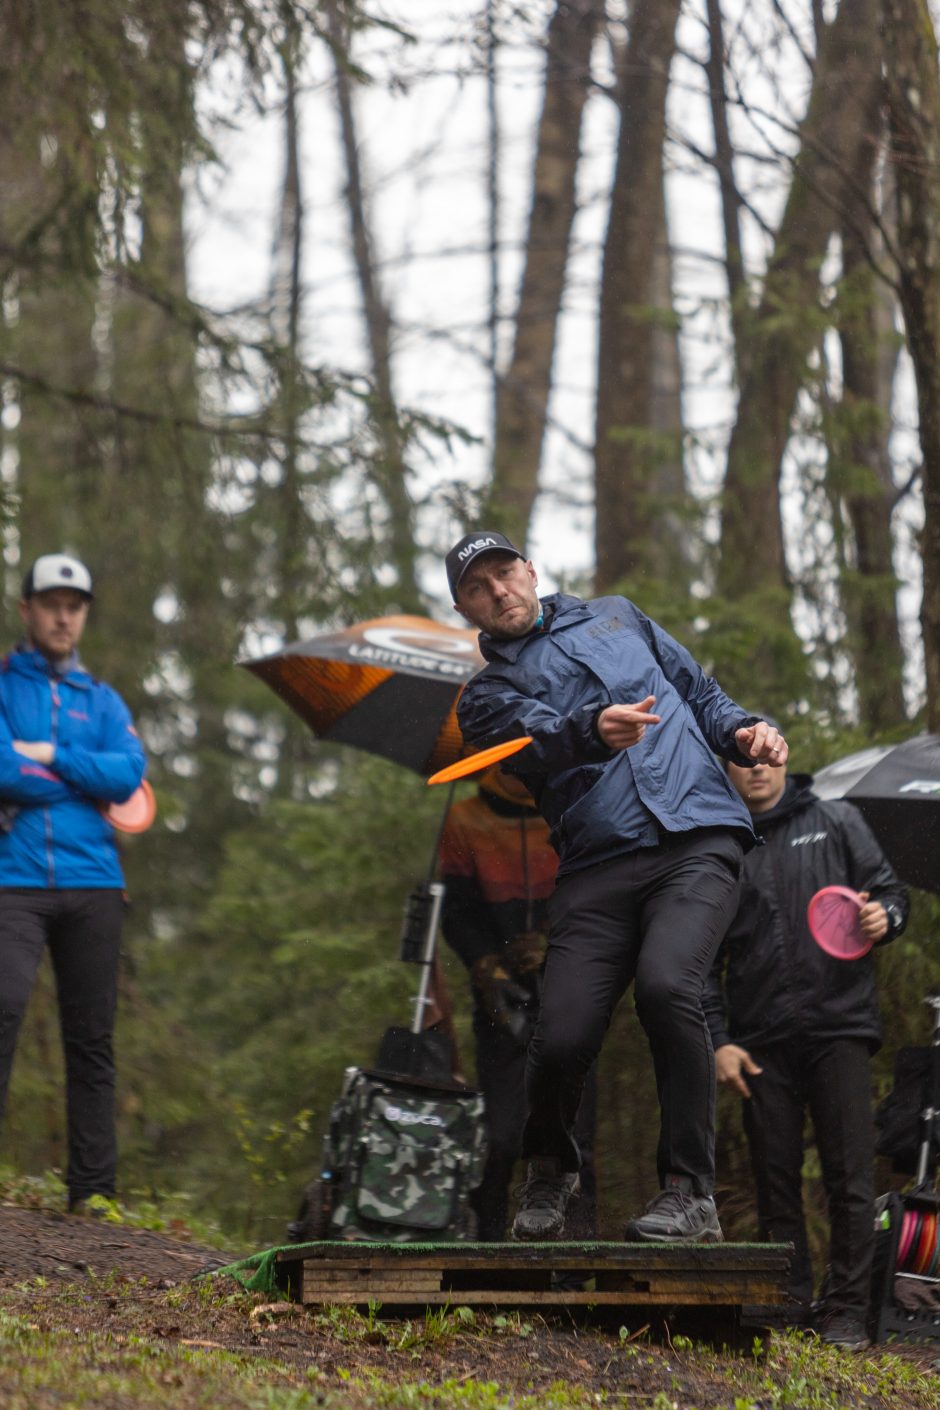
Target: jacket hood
[797,795]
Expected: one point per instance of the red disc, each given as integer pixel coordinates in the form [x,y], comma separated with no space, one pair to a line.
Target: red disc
[137,813]
[905,1239]
[928,1242]
[832,916]
[916,1226]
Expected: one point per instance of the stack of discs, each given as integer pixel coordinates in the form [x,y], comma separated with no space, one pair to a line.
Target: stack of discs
[919,1244]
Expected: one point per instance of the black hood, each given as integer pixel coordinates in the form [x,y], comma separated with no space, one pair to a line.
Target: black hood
[797,795]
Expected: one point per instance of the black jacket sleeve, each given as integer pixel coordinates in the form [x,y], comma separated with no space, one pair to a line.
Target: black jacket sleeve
[869,868]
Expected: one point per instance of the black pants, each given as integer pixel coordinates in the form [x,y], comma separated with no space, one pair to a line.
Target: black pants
[501,1065]
[833,1081]
[657,916]
[83,931]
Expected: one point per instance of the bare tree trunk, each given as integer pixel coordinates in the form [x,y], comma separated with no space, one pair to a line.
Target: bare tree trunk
[523,394]
[286,302]
[864,483]
[783,331]
[492,200]
[913,92]
[390,470]
[630,454]
[286,307]
[730,197]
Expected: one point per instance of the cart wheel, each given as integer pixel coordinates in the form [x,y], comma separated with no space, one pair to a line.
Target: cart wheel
[313,1217]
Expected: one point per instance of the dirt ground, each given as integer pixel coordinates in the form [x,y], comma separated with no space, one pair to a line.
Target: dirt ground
[91,1277]
[42,1244]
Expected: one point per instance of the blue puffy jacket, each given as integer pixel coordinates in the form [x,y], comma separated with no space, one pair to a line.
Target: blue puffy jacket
[552,684]
[58,836]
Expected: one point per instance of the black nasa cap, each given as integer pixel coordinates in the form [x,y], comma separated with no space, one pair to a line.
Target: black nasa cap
[468,549]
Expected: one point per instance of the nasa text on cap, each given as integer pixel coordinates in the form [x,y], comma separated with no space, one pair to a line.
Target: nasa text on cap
[57,570]
[466,550]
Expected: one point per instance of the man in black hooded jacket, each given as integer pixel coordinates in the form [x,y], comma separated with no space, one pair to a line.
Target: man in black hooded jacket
[793,1028]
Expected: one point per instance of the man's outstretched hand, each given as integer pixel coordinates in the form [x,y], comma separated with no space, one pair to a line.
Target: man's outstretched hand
[763,743]
[622,726]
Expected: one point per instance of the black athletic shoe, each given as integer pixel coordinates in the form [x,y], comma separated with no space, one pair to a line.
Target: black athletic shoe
[843,1330]
[676,1217]
[543,1200]
[84,1209]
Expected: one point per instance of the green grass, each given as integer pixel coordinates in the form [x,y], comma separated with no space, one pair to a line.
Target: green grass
[40,1369]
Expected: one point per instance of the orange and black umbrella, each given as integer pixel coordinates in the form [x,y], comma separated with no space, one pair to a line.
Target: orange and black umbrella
[389,686]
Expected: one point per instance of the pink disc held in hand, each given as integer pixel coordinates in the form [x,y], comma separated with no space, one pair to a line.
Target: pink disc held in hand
[832,916]
[136,814]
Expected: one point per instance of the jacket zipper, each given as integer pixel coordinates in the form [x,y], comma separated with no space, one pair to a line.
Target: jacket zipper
[53,733]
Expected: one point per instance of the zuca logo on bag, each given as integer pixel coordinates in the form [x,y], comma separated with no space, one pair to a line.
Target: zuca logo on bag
[411,1118]
[475,547]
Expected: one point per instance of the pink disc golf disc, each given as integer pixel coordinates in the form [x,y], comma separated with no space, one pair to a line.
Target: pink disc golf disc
[906,1239]
[832,915]
[136,814]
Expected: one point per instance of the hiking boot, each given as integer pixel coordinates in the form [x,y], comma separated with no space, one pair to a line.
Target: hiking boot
[543,1200]
[676,1216]
[843,1330]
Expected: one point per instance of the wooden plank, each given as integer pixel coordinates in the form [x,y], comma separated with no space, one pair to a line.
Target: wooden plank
[363,1280]
[515,1275]
[520,1297]
[723,1258]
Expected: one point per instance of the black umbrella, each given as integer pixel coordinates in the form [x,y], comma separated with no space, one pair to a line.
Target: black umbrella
[896,787]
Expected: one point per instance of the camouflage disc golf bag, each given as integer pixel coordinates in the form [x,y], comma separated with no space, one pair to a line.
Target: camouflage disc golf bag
[402,1158]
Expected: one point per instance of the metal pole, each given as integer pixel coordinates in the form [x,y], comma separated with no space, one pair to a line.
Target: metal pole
[436,893]
[933,1097]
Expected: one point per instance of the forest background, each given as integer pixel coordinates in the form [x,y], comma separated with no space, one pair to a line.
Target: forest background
[654,288]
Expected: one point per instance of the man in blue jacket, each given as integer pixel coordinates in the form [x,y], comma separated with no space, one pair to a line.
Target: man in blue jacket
[650,836]
[68,748]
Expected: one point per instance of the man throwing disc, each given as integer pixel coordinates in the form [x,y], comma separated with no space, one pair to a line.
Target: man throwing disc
[650,836]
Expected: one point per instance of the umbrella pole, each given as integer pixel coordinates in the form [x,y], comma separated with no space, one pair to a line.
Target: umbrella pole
[434,890]
[435,851]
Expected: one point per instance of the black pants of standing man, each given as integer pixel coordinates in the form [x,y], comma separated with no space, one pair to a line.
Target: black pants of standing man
[82,929]
[656,916]
[831,1080]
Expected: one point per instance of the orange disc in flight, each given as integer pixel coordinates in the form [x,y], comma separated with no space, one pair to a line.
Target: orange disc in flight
[474,762]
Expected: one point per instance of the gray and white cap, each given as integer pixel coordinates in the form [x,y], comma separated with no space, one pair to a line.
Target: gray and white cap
[57,570]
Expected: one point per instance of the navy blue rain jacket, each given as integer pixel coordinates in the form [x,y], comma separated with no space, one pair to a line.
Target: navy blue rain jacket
[552,684]
[58,836]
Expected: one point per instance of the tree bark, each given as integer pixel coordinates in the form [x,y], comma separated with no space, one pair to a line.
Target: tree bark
[783,330]
[633,457]
[913,95]
[730,197]
[523,393]
[390,469]
[859,469]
